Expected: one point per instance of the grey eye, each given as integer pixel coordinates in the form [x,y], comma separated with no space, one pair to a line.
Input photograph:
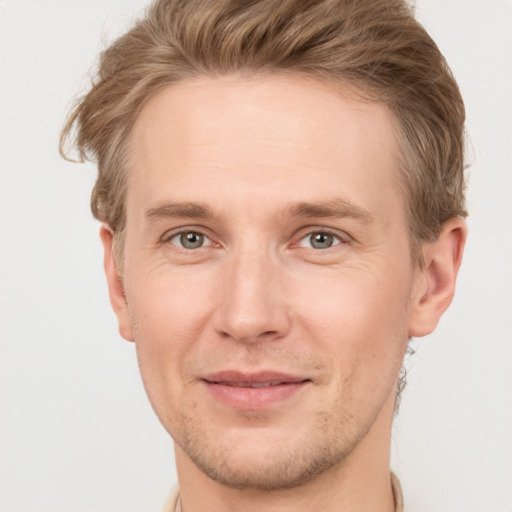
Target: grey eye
[189,240]
[319,240]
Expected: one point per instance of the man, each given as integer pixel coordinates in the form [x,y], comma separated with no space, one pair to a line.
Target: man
[281,192]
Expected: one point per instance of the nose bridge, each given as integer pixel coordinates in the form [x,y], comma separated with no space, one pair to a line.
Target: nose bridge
[253,305]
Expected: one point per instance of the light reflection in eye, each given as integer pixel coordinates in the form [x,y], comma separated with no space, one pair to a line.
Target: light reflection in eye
[190,240]
[319,240]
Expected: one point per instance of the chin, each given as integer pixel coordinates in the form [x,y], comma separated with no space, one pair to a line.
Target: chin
[268,471]
[264,460]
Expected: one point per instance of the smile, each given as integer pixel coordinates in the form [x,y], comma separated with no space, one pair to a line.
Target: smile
[250,384]
[253,391]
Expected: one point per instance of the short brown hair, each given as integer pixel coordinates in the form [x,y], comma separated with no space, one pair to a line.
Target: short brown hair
[374,46]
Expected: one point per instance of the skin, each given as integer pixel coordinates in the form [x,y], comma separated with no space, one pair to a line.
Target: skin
[234,160]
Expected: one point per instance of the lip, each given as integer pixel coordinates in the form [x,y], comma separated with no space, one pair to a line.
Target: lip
[253,390]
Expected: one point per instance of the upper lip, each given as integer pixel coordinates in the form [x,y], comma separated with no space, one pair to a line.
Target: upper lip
[241,378]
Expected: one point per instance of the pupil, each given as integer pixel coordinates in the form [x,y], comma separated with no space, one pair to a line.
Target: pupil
[191,240]
[321,240]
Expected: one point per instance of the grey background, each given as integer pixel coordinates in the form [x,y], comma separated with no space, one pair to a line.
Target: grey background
[76,431]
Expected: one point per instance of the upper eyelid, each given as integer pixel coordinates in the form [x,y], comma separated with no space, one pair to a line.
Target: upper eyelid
[302,233]
[171,233]
[338,241]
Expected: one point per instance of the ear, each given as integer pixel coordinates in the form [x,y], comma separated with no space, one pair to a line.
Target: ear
[115,284]
[435,284]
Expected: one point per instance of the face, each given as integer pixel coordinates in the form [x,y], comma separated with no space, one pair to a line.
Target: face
[267,273]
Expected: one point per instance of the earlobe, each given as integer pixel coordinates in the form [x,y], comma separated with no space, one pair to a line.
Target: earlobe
[115,284]
[435,285]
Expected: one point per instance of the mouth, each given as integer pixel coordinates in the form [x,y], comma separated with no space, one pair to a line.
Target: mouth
[250,384]
[254,390]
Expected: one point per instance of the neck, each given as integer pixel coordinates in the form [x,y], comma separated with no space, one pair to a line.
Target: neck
[359,483]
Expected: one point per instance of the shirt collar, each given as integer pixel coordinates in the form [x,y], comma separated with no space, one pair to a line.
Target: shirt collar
[173,503]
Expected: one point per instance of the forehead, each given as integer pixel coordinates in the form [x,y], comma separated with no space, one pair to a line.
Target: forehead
[280,136]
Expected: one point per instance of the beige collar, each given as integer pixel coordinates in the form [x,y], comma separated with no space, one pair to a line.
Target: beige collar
[397,493]
[173,503]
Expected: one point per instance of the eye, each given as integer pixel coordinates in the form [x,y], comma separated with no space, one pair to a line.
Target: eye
[319,240]
[190,240]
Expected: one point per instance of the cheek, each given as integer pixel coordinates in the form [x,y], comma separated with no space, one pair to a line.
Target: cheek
[168,315]
[168,305]
[361,332]
[356,317]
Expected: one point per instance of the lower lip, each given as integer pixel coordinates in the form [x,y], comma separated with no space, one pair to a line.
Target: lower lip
[254,398]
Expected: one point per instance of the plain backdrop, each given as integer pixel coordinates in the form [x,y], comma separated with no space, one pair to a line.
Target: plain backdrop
[77,433]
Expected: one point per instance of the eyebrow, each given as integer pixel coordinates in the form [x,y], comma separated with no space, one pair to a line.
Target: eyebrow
[334,208]
[180,210]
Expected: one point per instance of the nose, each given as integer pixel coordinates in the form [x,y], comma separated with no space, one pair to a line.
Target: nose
[252,305]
